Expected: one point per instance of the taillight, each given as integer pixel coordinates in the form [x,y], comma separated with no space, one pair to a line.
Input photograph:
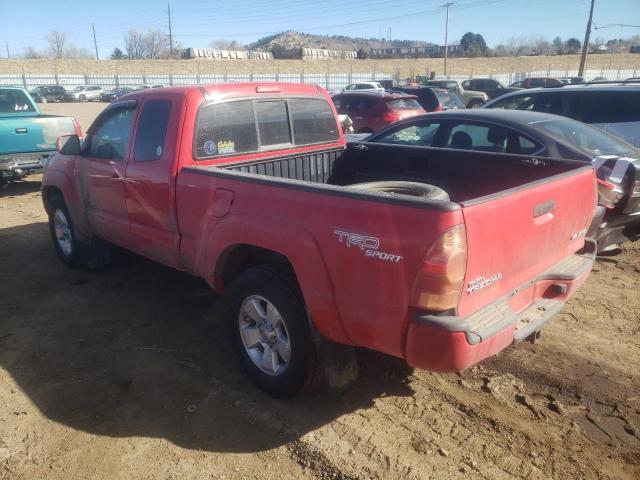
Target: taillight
[390,116]
[441,278]
[608,193]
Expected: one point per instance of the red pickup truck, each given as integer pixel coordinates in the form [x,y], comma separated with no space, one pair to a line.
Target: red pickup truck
[440,257]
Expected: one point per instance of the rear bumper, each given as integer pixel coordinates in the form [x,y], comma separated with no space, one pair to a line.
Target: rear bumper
[449,344]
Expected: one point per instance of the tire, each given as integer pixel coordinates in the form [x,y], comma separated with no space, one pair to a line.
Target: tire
[62,233]
[43,100]
[83,98]
[271,334]
[413,189]
[365,130]
[474,104]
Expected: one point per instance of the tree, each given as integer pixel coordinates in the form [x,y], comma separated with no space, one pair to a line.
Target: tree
[134,44]
[30,52]
[362,54]
[540,45]
[117,54]
[473,45]
[573,45]
[56,41]
[558,45]
[155,44]
[222,44]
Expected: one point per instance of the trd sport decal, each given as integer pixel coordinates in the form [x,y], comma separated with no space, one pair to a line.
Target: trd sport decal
[369,245]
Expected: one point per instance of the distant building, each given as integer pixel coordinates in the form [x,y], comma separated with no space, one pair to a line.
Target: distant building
[219,54]
[412,52]
[304,53]
[634,49]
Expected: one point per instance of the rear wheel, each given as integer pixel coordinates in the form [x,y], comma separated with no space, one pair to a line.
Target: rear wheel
[83,98]
[270,332]
[474,104]
[43,100]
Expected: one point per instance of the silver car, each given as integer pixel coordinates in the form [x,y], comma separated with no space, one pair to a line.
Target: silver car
[85,93]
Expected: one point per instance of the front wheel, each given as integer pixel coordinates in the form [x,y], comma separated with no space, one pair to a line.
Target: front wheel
[62,232]
[270,332]
[43,100]
[83,98]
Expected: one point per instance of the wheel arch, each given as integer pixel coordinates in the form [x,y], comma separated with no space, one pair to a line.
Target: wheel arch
[237,244]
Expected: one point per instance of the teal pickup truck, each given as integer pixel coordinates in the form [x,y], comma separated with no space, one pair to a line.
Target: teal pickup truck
[27,137]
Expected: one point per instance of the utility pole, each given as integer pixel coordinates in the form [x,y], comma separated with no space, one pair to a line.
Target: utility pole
[585,45]
[446,36]
[8,54]
[95,43]
[170,34]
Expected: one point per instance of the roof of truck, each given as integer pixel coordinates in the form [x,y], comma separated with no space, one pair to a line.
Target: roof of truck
[226,90]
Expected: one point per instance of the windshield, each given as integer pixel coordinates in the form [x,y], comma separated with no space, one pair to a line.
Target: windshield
[14,101]
[587,138]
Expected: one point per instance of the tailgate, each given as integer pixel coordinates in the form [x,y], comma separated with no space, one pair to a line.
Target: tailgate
[22,134]
[516,235]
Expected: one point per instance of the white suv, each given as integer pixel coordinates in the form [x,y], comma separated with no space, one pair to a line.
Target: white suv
[85,93]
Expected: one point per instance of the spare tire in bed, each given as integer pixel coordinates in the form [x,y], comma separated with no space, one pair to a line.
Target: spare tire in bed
[413,189]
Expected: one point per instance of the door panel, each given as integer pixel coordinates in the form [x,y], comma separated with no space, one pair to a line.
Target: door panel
[149,184]
[101,171]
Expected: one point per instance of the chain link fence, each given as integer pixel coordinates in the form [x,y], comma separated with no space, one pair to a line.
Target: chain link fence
[330,81]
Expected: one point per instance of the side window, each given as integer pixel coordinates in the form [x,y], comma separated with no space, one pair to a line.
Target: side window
[152,130]
[313,121]
[416,135]
[226,128]
[524,146]
[469,136]
[273,122]
[110,139]
[521,102]
[467,84]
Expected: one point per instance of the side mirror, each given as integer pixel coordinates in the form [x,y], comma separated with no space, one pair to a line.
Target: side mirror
[69,145]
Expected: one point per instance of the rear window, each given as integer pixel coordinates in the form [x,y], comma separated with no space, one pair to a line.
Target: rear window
[246,126]
[313,121]
[273,122]
[226,128]
[12,101]
[404,104]
[449,100]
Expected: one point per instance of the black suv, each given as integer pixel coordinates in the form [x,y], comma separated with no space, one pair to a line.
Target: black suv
[613,107]
[493,88]
[49,93]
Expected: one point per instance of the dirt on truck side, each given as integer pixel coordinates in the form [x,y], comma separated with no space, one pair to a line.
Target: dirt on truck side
[127,372]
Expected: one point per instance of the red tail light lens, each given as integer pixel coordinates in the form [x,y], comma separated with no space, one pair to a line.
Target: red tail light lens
[441,278]
[608,193]
[390,116]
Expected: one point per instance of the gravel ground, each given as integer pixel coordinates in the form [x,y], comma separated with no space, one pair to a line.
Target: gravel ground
[126,373]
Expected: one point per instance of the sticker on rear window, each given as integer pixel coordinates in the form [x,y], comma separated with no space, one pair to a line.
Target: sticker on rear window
[225,147]
[210,147]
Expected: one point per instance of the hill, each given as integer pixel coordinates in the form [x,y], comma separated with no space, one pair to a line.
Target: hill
[292,39]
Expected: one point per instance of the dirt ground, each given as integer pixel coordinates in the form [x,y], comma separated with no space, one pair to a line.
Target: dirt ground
[125,373]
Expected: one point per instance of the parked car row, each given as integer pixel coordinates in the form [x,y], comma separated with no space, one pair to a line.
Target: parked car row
[83,93]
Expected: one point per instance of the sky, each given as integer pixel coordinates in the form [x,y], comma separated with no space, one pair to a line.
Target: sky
[195,23]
